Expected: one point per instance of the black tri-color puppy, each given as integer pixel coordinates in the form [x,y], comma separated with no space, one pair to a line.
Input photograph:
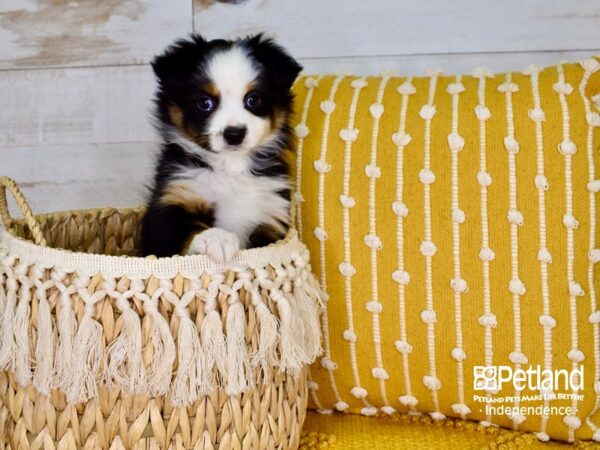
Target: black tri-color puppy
[221,179]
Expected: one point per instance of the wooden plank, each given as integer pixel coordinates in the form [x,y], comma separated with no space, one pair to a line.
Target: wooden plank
[342,28]
[63,164]
[84,175]
[81,176]
[79,105]
[45,198]
[45,33]
[113,104]
[416,65]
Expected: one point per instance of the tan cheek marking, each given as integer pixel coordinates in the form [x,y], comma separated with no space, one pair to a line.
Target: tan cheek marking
[181,195]
[176,115]
[278,120]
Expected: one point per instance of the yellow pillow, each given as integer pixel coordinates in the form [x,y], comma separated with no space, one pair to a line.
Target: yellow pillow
[452,222]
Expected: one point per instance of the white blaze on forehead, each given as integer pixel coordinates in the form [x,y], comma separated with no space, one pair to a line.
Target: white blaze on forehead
[231,71]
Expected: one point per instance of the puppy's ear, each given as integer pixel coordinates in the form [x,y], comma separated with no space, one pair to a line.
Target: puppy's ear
[179,60]
[280,66]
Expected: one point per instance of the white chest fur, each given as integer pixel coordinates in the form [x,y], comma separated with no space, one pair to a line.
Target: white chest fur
[241,200]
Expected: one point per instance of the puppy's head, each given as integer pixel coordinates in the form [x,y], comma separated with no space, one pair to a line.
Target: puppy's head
[226,95]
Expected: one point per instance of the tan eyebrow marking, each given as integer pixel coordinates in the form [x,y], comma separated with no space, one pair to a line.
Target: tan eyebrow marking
[211,89]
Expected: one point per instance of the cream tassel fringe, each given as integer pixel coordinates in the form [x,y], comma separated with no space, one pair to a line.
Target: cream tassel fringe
[238,377]
[213,339]
[88,352]
[67,326]
[8,345]
[213,352]
[292,355]
[125,363]
[46,341]
[309,300]
[163,347]
[299,332]
[22,356]
[266,354]
[191,359]
[267,325]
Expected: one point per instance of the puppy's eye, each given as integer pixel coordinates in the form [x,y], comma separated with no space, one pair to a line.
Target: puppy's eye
[253,101]
[206,103]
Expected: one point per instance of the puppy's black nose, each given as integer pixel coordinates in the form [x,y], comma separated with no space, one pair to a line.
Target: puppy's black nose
[234,135]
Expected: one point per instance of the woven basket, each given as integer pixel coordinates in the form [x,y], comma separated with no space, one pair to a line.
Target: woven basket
[101,349]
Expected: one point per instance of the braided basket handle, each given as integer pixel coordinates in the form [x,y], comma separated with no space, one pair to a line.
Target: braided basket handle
[34,226]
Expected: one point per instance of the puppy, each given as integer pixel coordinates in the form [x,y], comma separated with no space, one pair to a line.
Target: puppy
[221,180]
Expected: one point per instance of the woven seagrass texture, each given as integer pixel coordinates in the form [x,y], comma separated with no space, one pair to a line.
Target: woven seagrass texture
[106,231]
[97,358]
[270,417]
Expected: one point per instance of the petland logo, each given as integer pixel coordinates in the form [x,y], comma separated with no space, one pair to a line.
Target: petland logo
[492,378]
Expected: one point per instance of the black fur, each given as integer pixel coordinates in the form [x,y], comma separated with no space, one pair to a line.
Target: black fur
[167,228]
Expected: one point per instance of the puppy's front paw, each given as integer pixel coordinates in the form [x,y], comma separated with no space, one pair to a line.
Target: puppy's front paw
[221,245]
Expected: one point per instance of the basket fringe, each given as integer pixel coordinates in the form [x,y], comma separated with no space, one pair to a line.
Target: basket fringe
[238,375]
[46,341]
[67,326]
[213,338]
[299,332]
[8,344]
[265,355]
[213,341]
[308,297]
[191,359]
[211,349]
[125,352]
[163,347]
[292,356]
[22,355]
[88,352]
[267,325]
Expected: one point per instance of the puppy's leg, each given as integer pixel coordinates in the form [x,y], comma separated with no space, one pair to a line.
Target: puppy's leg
[167,230]
[221,245]
[173,218]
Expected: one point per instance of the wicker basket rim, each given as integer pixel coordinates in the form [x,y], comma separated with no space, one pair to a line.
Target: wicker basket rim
[142,267]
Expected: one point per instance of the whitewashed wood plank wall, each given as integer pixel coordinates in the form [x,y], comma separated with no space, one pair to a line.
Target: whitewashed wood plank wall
[75,85]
